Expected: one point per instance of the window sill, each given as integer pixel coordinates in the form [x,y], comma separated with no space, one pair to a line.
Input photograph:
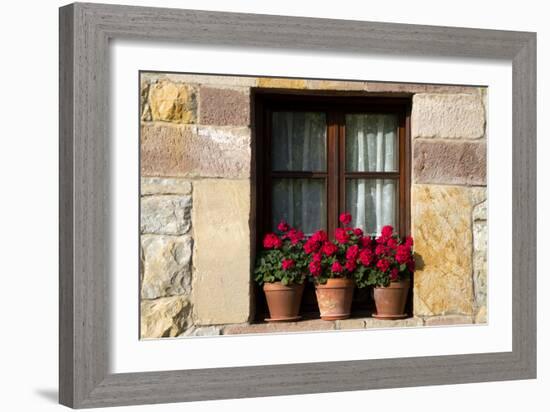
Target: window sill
[308,325]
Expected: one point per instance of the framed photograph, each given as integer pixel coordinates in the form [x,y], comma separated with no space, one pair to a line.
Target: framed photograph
[257,205]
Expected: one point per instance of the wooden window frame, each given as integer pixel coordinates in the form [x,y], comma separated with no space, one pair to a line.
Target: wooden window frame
[335,106]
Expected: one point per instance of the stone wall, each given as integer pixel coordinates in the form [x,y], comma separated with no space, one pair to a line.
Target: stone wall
[196,203]
[448,204]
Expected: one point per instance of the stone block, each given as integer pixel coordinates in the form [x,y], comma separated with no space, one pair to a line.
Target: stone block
[166,214]
[173,102]
[413,88]
[481,316]
[343,324]
[480,211]
[224,107]
[448,320]
[282,83]
[441,218]
[202,331]
[164,317]
[145,109]
[373,323]
[450,162]
[448,116]
[162,150]
[335,85]
[279,327]
[165,186]
[166,265]
[480,262]
[190,151]
[202,79]
[221,255]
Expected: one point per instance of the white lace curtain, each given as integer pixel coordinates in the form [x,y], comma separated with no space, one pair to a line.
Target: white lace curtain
[371,146]
[299,144]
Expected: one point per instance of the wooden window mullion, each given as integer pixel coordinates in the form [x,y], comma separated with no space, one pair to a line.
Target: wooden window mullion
[332,171]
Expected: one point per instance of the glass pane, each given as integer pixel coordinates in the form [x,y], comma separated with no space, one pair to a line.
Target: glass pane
[371,143]
[372,203]
[301,202]
[299,141]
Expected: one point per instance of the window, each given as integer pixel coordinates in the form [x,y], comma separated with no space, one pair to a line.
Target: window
[318,156]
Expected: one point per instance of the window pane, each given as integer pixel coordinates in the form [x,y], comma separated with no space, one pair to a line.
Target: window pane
[298,141]
[372,203]
[371,143]
[301,202]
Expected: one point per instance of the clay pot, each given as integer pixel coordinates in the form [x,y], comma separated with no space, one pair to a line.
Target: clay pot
[390,300]
[334,298]
[283,301]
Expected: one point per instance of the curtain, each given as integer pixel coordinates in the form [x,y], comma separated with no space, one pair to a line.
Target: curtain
[371,146]
[298,143]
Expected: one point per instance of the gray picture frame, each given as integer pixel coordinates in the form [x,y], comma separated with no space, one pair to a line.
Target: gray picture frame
[85,31]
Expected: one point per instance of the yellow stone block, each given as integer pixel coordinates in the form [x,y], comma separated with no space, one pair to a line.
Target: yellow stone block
[272,82]
[173,102]
[221,254]
[441,218]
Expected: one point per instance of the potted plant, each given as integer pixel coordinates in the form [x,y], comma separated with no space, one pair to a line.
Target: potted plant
[387,264]
[281,270]
[332,268]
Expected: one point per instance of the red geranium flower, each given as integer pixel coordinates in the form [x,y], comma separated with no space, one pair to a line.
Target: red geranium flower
[387,231]
[383,265]
[311,246]
[345,218]
[394,274]
[287,264]
[392,243]
[366,241]
[403,254]
[317,257]
[358,232]
[283,226]
[381,250]
[272,241]
[337,267]
[315,268]
[329,248]
[295,236]
[341,235]
[365,257]
[351,265]
[320,236]
[352,252]
[409,242]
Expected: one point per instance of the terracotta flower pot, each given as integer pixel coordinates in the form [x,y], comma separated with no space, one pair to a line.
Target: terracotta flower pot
[334,298]
[390,300]
[283,301]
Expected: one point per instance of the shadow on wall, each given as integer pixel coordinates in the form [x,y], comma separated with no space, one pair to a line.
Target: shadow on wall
[51,395]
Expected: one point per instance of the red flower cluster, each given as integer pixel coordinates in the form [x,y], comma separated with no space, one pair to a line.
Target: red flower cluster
[341,235]
[352,252]
[315,242]
[272,241]
[340,257]
[315,265]
[392,254]
[345,218]
[287,264]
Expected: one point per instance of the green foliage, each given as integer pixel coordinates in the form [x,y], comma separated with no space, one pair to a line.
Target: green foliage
[371,276]
[269,265]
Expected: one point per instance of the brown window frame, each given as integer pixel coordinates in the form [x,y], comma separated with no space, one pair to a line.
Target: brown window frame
[336,107]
